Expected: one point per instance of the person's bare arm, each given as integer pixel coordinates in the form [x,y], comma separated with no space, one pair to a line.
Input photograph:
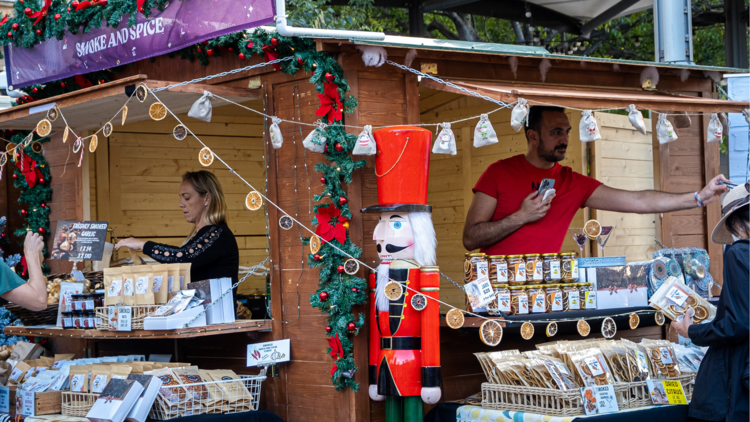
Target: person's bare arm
[481,232]
[652,201]
[32,295]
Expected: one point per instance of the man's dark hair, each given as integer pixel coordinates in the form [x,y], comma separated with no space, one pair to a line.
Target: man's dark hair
[535,117]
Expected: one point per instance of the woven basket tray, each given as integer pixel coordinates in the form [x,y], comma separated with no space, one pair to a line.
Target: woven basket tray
[140,312]
[639,396]
[77,404]
[28,318]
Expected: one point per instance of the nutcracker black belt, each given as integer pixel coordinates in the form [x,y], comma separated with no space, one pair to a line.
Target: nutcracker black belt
[400,343]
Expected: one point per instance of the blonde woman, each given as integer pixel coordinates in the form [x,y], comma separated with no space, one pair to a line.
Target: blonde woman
[211,247]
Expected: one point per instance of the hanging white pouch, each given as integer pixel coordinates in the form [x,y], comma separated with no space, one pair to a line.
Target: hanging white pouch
[365,143]
[664,130]
[316,140]
[714,132]
[588,129]
[445,142]
[202,108]
[519,114]
[276,139]
[484,133]
[636,119]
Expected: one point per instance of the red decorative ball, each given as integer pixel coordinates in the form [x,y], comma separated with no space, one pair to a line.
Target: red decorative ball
[62,84]
[315,257]
[41,181]
[230,49]
[57,17]
[323,296]
[10,35]
[44,205]
[35,90]
[24,212]
[199,49]
[355,290]
[340,269]
[140,10]
[15,26]
[242,56]
[343,201]
[330,77]
[351,326]
[322,180]
[69,9]
[339,148]
[250,45]
[74,3]
[328,328]
[102,81]
[274,42]
[2,235]
[102,3]
[299,60]
[15,176]
[27,10]
[39,32]
[41,230]
[210,52]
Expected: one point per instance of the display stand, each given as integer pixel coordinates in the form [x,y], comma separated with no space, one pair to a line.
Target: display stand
[209,330]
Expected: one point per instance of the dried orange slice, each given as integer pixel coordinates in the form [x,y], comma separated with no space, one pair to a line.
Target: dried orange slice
[3,159]
[491,332]
[11,146]
[93,143]
[551,329]
[286,222]
[141,92]
[44,127]
[27,140]
[592,228]
[609,328]
[124,114]
[157,111]
[527,330]
[700,312]
[37,147]
[583,328]
[107,129]
[315,244]
[659,318]
[418,301]
[52,114]
[351,266]
[180,132]
[454,318]
[65,134]
[78,145]
[253,201]
[206,157]
[633,321]
[393,290]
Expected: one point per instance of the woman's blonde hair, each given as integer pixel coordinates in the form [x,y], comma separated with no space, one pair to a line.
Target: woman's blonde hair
[205,182]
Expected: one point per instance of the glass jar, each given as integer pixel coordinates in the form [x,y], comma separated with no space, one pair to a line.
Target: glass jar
[502,298]
[467,266]
[498,269]
[67,320]
[519,301]
[534,268]
[516,270]
[475,266]
[569,267]
[87,320]
[551,267]
[588,296]
[76,302]
[77,320]
[571,297]
[87,302]
[554,297]
[537,299]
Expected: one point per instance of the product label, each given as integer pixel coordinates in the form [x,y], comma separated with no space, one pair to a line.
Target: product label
[26,401]
[503,302]
[88,305]
[486,293]
[482,270]
[574,268]
[591,299]
[521,272]
[666,357]
[98,383]
[182,282]
[677,295]
[539,303]
[538,271]
[557,304]
[502,272]
[641,358]
[78,382]
[523,304]
[554,270]
[170,282]
[128,287]
[573,301]
[77,305]
[115,289]
[4,400]
[599,399]
[67,323]
[141,285]
[16,374]
[595,366]
[675,393]
[157,283]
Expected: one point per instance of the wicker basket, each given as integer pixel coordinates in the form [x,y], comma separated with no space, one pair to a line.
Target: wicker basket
[77,404]
[30,318]
[639,396]
[140,312]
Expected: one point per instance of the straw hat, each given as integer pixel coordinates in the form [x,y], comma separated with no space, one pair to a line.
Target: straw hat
[736,198]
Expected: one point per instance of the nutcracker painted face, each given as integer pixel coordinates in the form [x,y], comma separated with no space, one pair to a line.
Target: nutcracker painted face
[394,236]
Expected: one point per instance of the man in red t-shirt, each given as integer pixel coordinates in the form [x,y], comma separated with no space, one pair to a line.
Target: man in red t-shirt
[508,217]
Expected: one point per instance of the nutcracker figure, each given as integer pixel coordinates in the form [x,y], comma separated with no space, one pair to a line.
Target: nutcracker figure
[404,361]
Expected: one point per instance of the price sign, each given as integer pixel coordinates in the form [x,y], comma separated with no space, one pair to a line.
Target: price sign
[120,318]
[268,353]
[4,400]
[79,240]
[599,399]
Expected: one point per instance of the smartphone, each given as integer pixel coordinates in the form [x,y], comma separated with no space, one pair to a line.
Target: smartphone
[545,185]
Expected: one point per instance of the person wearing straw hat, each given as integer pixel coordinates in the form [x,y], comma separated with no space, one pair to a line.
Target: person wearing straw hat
[721,386]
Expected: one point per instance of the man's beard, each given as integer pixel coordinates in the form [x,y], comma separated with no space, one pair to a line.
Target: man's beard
[553,155]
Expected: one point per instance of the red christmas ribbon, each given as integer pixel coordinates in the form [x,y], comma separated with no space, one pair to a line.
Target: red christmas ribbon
[30,171]
[5,19]
[330,103]
[41,13]
[337,351]
[271,54]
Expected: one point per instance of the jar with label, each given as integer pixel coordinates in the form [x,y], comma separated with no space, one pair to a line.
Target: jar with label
[588,299]
[467,266]
[87,320]
[534,264]
[502,298]
[554,297]
[537,299]
[571,301]
[475,267]
[77,320]
[67,320]
[498,269]
[569,266]
[76,302]
[516,270]
[87,302]
[519,301]
[551,267]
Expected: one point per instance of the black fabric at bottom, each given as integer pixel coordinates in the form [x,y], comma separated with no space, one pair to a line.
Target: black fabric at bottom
[253,416]
[446,412]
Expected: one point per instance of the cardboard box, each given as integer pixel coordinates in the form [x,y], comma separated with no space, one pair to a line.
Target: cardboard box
[176,321]
[29,403]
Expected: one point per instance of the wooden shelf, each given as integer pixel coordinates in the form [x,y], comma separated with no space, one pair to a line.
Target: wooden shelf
[240,326]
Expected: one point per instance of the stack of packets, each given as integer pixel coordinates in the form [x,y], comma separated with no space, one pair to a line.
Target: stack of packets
[674,299]
[181,301]
[144,284]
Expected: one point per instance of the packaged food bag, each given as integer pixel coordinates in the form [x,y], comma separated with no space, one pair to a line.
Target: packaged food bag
[99,377]
[316,140]
[184,275]
[79,378]
[714,132]
[636,119]
[144,289]
[128,286]
[445,142]
[588,129]
[484,133]
[173,279]
[112,286]
[519,114]
[365,143]
[275,133]
[664,130]
[161,283]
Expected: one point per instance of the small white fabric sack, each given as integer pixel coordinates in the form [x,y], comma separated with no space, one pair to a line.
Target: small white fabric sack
[276,139]
[202,108]
[664,130]
[636,119]
[316,140]
[445,142]
[484,133]
[588,129]
[365,143]
[519,114]
[715,130]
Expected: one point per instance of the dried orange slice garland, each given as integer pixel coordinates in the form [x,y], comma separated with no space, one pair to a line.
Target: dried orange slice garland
[65,134]
[455,318]
[180,132]
[393,290]
[609,328]
[592,228]
[206,157]
[157,111]
[551,329]
[659,318]
[44,127]
[351,266]
[141,92]
[315,244]
[124,114]
[52,114]
[491,332]
[633,321]
[93,143]
[583,328]
[527,330]
[253,201]
[107,129]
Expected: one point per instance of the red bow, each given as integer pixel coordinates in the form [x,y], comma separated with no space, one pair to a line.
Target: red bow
[337,351]
[25,267]
[82,82]
[328,99]
[271,54]
[5,19]
[140,5]
[30,171]
[326,229]
[83,5]
[42,13]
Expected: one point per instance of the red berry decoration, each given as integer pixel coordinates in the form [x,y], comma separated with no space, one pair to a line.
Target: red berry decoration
[102,3]
[10,35]
[39,32]
[340,269]
[299,60]
[230,49]
[41,230]
[35,90]
[343,201]
[351,326]
[74,3]
[62,84]
[199,49]
[44,205]
[250,45]
[210,51]
[15,26]
[329,77]
[328,328]
[69,9]
[322,180]
[325,149]
[315,257]
[57,17]
[41,181]
[15,176]
[274,42]
[242,56]
[27,10]
[23,212]
[339,148]
[323,296]
[355,290]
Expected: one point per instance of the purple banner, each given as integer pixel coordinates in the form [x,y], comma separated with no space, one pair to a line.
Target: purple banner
[181,24]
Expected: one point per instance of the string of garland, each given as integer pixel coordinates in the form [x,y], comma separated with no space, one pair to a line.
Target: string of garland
[38,92]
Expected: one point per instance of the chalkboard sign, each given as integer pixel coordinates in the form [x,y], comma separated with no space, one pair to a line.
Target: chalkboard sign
[79,240]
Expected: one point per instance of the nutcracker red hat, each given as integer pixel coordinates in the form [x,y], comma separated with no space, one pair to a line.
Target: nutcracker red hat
[403,169]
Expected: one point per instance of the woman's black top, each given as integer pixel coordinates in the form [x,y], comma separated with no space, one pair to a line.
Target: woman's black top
[721,386]
[213,253]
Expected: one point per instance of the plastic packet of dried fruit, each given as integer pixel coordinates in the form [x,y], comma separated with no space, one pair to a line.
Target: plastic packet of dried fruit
[663,358]
[592,366]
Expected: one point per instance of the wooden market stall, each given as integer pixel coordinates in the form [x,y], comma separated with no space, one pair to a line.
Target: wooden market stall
[132,181]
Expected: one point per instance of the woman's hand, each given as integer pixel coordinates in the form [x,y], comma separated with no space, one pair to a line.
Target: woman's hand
[33,245]
[131,243]
[684,324]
